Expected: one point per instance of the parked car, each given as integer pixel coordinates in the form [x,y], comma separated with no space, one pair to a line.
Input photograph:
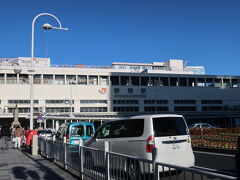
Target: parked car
[137,136]
[202,125]
[75,131]
[46,133]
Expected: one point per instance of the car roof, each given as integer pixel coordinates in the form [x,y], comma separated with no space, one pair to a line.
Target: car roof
[147,116]
[80,123]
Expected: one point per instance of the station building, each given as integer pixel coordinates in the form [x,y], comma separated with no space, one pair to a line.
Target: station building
[99,93]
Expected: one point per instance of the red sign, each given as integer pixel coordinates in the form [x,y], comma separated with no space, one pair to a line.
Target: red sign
[102,90]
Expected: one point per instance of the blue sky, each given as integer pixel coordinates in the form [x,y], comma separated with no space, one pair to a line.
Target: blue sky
[201,32]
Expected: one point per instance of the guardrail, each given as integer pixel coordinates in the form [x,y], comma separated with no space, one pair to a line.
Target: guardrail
[105,165]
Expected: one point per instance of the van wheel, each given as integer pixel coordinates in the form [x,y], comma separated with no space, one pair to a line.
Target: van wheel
[133,170]
[88,160]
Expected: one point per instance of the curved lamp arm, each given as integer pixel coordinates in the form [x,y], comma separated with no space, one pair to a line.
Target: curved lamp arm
[33,22]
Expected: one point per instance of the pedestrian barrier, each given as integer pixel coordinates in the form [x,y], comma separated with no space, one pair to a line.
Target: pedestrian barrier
[105,165]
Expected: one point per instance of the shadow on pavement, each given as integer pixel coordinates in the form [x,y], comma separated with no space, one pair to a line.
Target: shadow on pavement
[23,173]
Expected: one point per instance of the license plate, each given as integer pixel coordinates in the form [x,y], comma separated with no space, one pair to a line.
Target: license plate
[177,147]
[76,142]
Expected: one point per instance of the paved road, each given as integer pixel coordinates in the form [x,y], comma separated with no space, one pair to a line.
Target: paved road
[217,161]
[17,164]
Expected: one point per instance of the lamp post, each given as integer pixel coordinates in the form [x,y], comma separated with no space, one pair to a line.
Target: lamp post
[70,102]
[47,27]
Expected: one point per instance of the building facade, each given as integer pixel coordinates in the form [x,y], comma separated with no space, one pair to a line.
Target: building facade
[100,93]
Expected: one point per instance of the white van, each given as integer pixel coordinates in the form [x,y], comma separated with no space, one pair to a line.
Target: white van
[138,135]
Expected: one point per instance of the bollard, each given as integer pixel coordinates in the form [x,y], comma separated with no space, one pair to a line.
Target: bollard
[65,152]
[54,150]
[35,145]
[106,156]
[237,158]
[81,159]
[155,168]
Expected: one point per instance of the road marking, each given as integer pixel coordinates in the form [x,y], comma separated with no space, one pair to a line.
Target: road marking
[218,154]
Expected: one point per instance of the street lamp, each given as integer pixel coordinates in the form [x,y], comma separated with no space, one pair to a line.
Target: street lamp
[70,102]
[47,27]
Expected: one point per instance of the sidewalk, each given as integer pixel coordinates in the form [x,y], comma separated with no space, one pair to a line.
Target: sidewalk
[19,164]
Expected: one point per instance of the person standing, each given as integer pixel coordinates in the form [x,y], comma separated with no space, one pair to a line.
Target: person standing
[5,137]
[18,133]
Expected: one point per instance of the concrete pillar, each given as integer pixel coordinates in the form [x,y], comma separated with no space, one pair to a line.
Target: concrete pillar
[53,124]
[35,145]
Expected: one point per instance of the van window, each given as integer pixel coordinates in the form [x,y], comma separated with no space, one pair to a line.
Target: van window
[169,126]
[121,128]
[136,127]
[103,132]
[77,131]
[89,130]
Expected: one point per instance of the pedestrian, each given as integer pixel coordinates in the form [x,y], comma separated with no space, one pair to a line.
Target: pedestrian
[18,133]
[5,137]
[13,128]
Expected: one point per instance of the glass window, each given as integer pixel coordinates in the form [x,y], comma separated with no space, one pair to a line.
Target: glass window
[211,101]
[93,80]
[77,131]
[164,81]
[173,81]
[192,82]
[184,101]
[71,79]
[162,101]
[59,79]
[184,108]
[89,130]
[82,79]
[135,80]
[162,108]
[226,83]
[169,126]
[150,109]
[103,132]
[120,129]
[209,82]
[114,80]
[37,79]
[11,78]
[136,127]
[155,81]
[144,81]
[218,83]
[93,109]
[58,109]
[182,81]
[124,80]
[235,83]
[47,79]
[126,109]
[103,80]
[93,101]
[212,108]
[200,82]
[1,78]
[23,79]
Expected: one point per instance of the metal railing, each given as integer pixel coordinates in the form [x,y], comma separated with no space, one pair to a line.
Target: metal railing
[105,165]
